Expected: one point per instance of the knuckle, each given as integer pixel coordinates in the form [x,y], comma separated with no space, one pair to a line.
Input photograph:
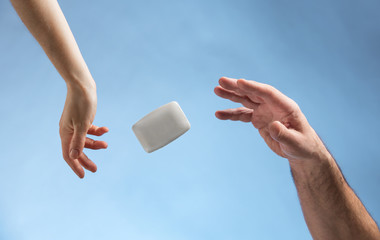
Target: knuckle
[81,127]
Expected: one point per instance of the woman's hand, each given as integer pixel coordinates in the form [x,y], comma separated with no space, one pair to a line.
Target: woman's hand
[76,122]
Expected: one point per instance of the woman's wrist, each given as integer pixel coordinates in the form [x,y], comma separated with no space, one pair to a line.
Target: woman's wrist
[84,83]
[82,89]
[80,80]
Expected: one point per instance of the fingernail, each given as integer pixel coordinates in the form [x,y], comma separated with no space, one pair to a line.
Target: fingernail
[74,154]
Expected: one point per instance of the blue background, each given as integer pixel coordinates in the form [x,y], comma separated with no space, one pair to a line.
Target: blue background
[219,180]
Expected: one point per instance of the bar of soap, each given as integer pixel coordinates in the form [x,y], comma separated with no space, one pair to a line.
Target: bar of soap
[161,126]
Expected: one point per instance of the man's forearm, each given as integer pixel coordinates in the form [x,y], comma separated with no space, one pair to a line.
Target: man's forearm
[46,22]
[331,208]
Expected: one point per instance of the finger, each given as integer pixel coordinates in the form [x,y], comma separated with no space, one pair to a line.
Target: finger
[272,144]
[87,163]
[281,133]
[227,94]
[257,88]
[260,93]
[74,165]
[93,144]
[237,114]
[77,142]
[97,131]
[263,91]
[230,84]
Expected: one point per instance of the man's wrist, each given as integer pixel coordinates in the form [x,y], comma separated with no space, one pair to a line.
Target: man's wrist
[309,167]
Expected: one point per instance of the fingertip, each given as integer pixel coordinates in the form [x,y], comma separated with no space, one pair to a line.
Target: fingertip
[80,173]
[275,126]
[101,144]
[91,166]
[217,90]
[224,80]
[220,115]
[97,131]
[102,130]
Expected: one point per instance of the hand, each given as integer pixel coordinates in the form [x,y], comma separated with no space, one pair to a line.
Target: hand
[76,122]
[278,118]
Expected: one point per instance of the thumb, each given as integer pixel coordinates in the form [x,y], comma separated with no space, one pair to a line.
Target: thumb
[77,142]
[281,134]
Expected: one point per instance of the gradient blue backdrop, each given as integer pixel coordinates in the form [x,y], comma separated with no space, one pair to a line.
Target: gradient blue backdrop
[219,180]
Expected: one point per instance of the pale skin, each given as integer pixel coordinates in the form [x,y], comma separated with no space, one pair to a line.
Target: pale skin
[330,207]
[45,20]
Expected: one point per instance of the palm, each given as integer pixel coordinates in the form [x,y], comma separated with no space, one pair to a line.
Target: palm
[262,117]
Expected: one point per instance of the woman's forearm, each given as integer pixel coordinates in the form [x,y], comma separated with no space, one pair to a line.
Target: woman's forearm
[331,209]
[46,22]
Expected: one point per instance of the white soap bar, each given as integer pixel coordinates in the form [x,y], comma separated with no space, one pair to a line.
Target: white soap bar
[161,126]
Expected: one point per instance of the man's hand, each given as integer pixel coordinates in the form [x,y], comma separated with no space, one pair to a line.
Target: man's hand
[330,207]
[75,124]
[277,117]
